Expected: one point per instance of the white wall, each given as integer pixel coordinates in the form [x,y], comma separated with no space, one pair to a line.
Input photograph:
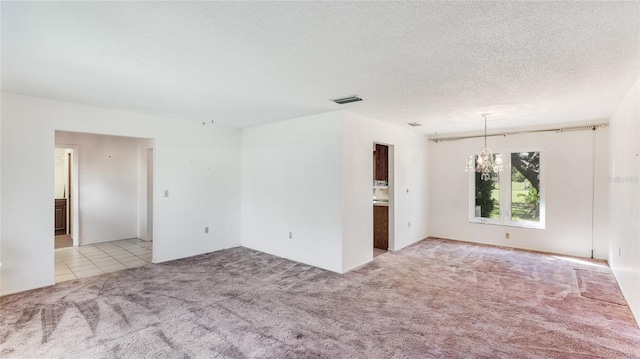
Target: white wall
[624,249]
[602,194]
[409,172]
[107,185]
[199,165]
[142,150]
[291,182]
[313,176]
[567,165]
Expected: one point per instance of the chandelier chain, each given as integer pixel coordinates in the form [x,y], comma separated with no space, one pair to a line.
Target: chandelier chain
[485,129]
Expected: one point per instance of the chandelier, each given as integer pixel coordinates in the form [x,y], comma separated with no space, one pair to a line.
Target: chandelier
[486,162]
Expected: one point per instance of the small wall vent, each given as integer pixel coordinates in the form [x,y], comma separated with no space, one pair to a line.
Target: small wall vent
[413,124]
[342,101]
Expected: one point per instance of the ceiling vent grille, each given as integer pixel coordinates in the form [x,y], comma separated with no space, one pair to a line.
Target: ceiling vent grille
[342,101]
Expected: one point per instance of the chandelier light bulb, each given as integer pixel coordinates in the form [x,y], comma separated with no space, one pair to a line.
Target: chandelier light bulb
[485,162]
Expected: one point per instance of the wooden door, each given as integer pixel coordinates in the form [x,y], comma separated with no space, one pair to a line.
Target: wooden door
[381,227]
[382,163]
[60,215]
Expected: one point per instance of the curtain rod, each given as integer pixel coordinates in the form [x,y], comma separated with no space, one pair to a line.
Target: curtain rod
[556,130]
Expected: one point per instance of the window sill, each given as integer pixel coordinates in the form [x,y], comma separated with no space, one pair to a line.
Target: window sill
[529,225]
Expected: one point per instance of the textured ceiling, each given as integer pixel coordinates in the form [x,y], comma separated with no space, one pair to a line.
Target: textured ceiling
[440,64]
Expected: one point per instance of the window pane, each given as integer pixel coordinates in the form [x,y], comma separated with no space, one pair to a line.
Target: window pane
[487,196]
[525,186]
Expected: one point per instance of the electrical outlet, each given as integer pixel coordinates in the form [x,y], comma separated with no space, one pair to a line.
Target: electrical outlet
[507,235]
[206,229]
[409,224]
[166,193]
[290,235]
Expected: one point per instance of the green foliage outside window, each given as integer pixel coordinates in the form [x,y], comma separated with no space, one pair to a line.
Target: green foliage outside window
[525,186]
[485,197]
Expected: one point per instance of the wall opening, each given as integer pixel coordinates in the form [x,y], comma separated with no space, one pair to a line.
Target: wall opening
[63,206]
[382,198]
[108,192]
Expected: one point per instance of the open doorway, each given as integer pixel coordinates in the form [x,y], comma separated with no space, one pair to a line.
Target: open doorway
[382,198]
[106,184]
[63,220]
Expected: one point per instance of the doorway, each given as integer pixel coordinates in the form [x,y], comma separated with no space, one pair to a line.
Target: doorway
[381,199]
[63,199]
[107,192]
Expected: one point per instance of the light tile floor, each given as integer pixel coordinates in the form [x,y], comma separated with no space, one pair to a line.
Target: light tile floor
[93,259]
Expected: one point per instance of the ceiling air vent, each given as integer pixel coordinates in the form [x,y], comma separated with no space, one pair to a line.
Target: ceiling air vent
[413,124]
[342,101]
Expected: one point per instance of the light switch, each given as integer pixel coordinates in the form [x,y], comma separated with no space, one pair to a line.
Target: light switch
[166,193]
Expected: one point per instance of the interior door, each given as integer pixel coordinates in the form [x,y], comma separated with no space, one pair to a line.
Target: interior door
[381,227]
[60,216]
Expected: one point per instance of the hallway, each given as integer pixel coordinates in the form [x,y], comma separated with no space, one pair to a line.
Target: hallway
[84,261]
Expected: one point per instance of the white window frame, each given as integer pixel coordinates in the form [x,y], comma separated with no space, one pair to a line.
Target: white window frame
[505,195]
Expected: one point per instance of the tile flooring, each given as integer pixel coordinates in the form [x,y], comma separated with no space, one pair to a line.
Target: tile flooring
[93,259]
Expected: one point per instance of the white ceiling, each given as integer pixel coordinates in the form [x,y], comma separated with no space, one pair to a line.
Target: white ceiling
[440,64]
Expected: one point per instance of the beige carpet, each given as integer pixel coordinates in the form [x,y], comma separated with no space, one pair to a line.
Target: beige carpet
[599,286]
[435,299]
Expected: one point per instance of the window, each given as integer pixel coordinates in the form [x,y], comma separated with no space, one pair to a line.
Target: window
[487,196]
[513,197]
[525,186]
